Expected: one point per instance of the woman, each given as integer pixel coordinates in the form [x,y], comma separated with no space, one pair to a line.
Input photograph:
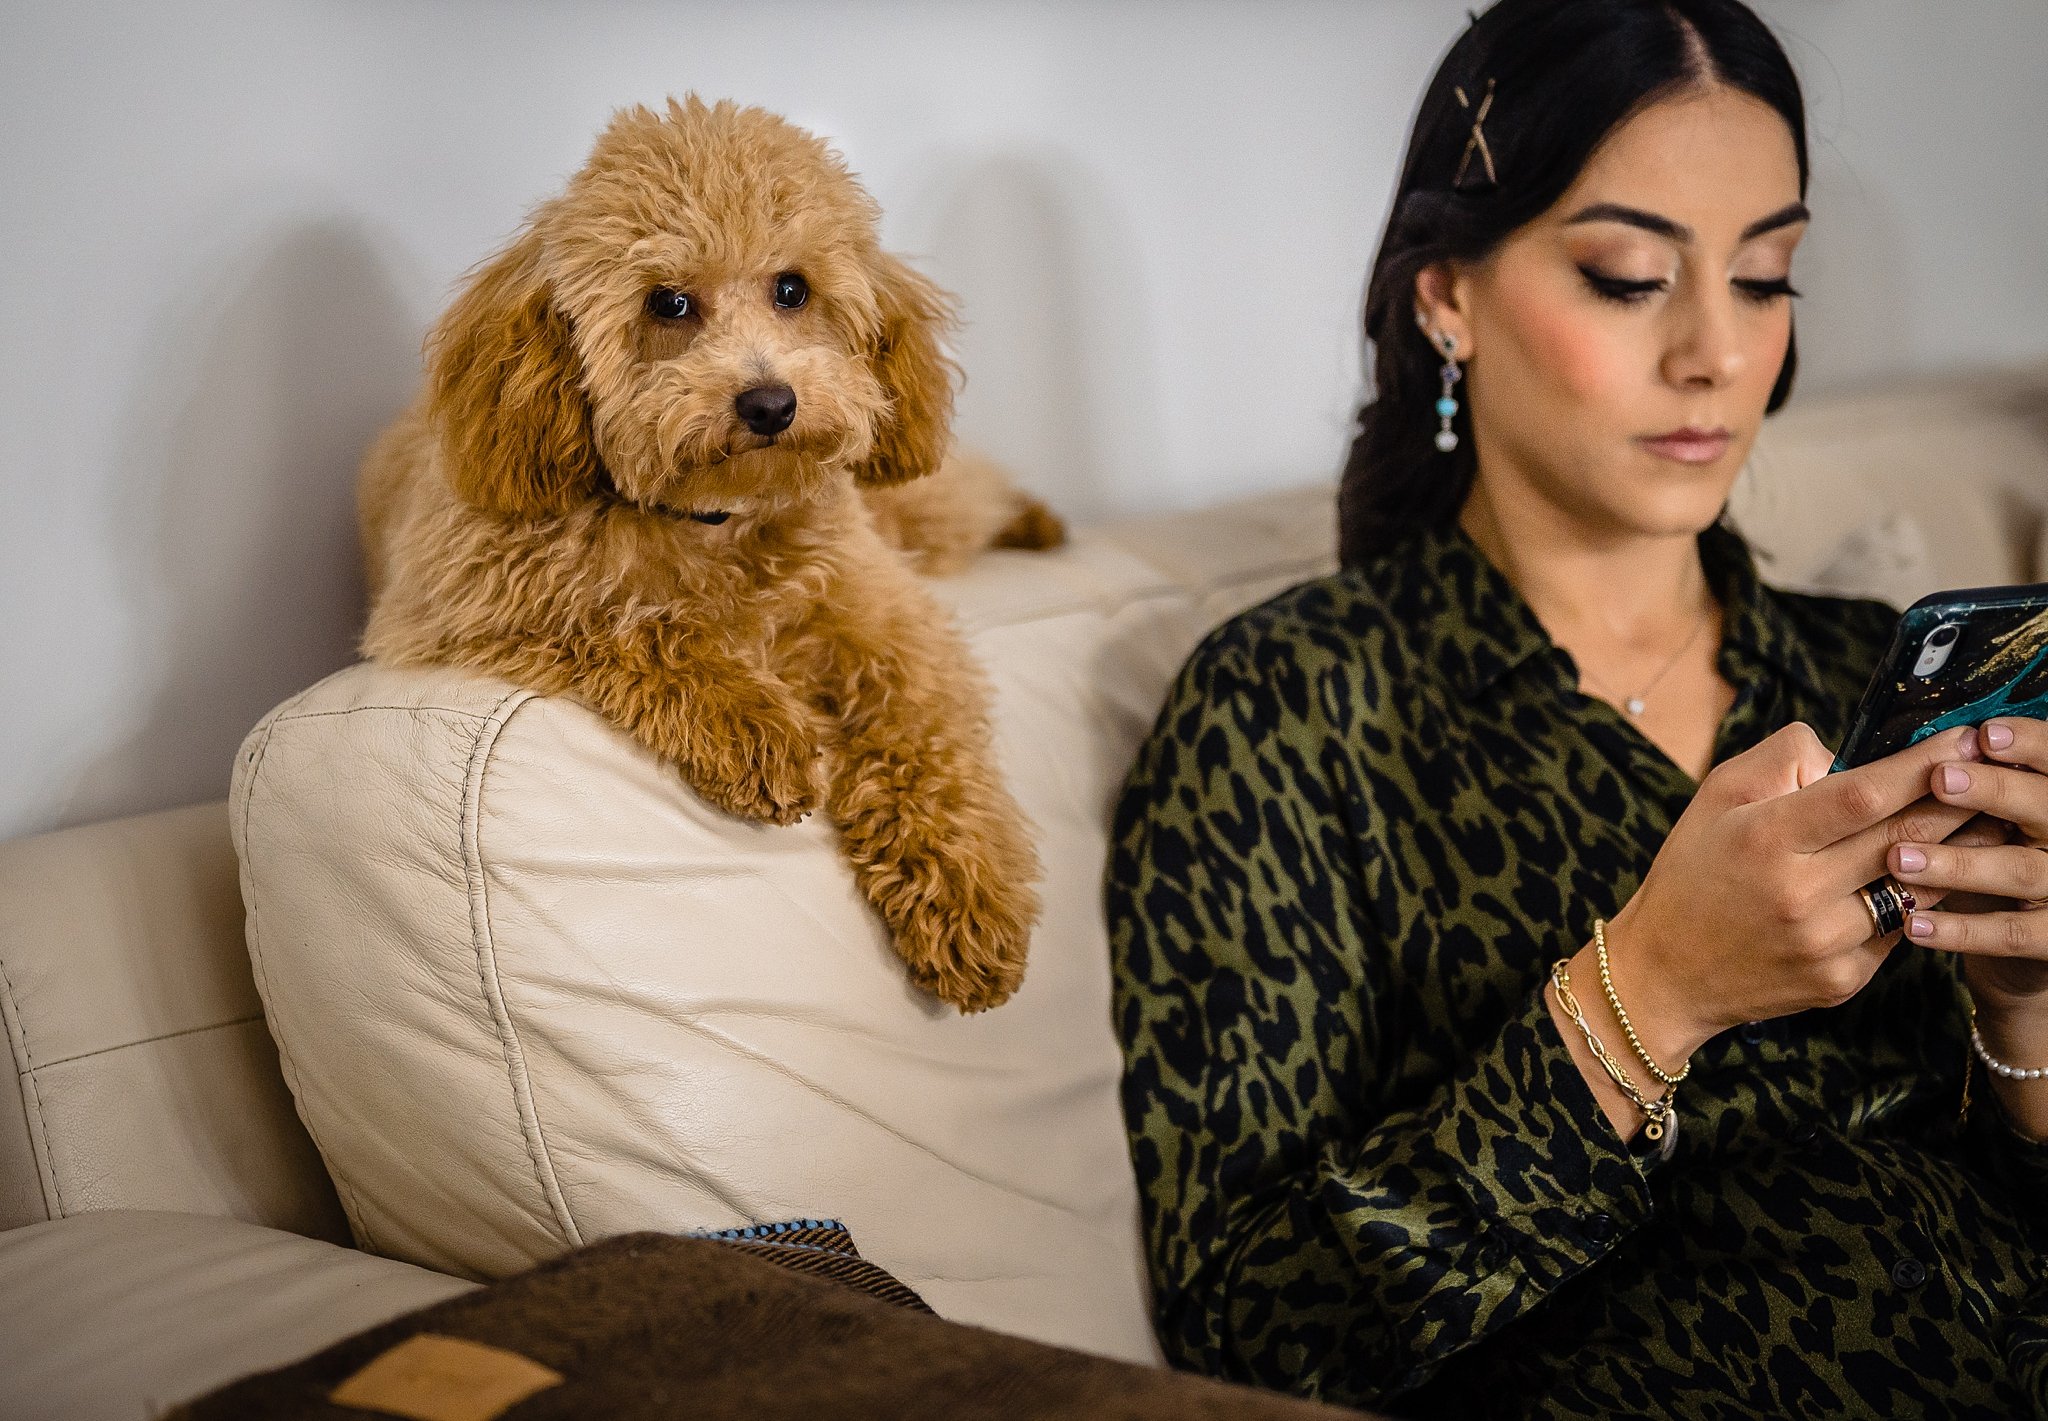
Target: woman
[1381,1162]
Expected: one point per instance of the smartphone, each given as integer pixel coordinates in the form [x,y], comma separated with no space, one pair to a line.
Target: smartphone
[1955,658]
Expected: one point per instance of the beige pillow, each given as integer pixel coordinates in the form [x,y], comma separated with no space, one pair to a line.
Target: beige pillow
[1965,457]
[1886,558]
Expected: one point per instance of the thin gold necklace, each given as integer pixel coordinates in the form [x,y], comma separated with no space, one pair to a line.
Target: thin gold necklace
[1634,704]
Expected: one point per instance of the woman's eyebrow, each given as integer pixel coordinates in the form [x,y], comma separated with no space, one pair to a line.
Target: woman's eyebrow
[1678,231]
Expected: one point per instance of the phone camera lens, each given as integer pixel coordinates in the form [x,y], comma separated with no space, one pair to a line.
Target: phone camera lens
[1942,636]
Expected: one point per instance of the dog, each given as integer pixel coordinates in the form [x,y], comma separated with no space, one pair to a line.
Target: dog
[665,441]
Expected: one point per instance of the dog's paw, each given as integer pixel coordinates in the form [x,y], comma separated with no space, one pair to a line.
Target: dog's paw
[767,769]
[965,939]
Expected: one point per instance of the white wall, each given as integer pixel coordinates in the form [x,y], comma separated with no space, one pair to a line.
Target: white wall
[226,225]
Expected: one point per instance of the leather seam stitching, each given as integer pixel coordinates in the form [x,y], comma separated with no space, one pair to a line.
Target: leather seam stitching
[485,949]
[39,1139]
[31,1098]
[148,1041]
[478,716]
[20,1031]
[252,932]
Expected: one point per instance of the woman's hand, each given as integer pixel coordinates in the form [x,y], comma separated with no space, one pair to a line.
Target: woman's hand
[1998,891]
[1750,909]
[1996,916]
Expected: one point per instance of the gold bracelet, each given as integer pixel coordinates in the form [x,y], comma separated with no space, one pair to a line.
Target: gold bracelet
[1561,979]
[1660,1119]
[1627,1027]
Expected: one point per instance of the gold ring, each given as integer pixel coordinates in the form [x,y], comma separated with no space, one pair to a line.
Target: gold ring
[1887,901]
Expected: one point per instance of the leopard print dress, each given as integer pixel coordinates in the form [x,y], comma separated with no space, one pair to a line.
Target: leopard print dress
[1372,812]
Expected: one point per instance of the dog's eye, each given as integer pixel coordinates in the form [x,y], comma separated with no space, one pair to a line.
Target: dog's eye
[670,305]
[791,291]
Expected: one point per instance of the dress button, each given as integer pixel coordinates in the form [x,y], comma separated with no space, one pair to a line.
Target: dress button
[1805,1133]
[1598,1227]
[1754,1032]
[1909,1272]
[1492,1252]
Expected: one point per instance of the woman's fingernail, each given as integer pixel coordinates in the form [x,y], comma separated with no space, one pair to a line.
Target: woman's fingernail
[1911,860]
[1966,743]
[1919,925]
[1997,736]
[1954,779]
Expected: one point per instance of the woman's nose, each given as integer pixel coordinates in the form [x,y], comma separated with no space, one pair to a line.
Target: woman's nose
[1706,349]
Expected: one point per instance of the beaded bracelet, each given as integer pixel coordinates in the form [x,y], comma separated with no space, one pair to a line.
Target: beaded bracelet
[2011,1073]
[1627,1027]
[1660,1118]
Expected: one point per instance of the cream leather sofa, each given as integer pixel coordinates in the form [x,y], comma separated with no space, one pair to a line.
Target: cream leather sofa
[169,1223]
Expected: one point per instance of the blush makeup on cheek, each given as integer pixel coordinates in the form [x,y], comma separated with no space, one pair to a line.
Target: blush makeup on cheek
[1575,355]
[1567,369]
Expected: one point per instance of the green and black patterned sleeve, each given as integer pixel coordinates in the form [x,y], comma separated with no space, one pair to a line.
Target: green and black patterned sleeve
[1307,1219]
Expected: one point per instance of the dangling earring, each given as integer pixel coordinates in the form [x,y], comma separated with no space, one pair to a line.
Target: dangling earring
[1446,406]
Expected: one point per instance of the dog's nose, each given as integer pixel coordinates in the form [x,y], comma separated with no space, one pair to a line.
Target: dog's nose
[767,409]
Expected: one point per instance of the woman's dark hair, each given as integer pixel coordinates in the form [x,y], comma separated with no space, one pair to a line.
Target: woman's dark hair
[1565,74]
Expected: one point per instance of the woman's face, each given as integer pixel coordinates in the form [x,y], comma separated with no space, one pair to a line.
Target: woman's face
[1648,301]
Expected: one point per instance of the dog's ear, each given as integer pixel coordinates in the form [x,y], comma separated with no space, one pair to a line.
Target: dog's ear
[910,360]
[506,392]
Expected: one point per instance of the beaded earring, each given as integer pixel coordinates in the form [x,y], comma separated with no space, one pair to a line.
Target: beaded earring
[1446,406]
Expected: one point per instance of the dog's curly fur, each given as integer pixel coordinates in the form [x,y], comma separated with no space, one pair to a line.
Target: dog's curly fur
[543,513]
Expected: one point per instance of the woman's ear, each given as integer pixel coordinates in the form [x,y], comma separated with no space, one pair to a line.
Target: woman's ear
[912,436]
[506,392]
[1440,296]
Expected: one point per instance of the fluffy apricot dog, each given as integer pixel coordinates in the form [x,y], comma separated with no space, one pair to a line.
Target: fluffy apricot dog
[662,436]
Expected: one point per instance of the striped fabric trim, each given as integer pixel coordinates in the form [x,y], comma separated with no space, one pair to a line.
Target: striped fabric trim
[822,1248]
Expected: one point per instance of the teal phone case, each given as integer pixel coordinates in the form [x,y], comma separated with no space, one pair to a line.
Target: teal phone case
[1997,664]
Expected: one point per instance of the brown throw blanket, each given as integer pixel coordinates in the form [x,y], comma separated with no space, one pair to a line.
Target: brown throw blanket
[652,1325]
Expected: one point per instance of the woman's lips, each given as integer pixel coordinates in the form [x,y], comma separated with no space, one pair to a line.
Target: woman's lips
[1689,446]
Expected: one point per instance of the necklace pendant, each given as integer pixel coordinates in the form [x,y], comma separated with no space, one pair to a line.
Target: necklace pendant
[1634,704]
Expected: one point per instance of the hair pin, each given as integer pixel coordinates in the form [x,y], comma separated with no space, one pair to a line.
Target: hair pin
[1476,143]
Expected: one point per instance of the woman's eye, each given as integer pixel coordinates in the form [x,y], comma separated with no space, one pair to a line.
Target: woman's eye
[791,291]
[670,305]
[1763,292]
[1613,288]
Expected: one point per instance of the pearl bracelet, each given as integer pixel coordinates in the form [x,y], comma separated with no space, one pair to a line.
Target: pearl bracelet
[2011,1073]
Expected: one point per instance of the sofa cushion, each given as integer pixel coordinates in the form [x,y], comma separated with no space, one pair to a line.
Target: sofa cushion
[1965,457]
[118,1315]
[530,991]
[1889,558]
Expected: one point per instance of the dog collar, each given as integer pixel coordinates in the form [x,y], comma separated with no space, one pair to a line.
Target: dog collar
[712,516]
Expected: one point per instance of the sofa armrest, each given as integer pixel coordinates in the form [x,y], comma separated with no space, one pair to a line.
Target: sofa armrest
[120,1315]
[141,1075]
